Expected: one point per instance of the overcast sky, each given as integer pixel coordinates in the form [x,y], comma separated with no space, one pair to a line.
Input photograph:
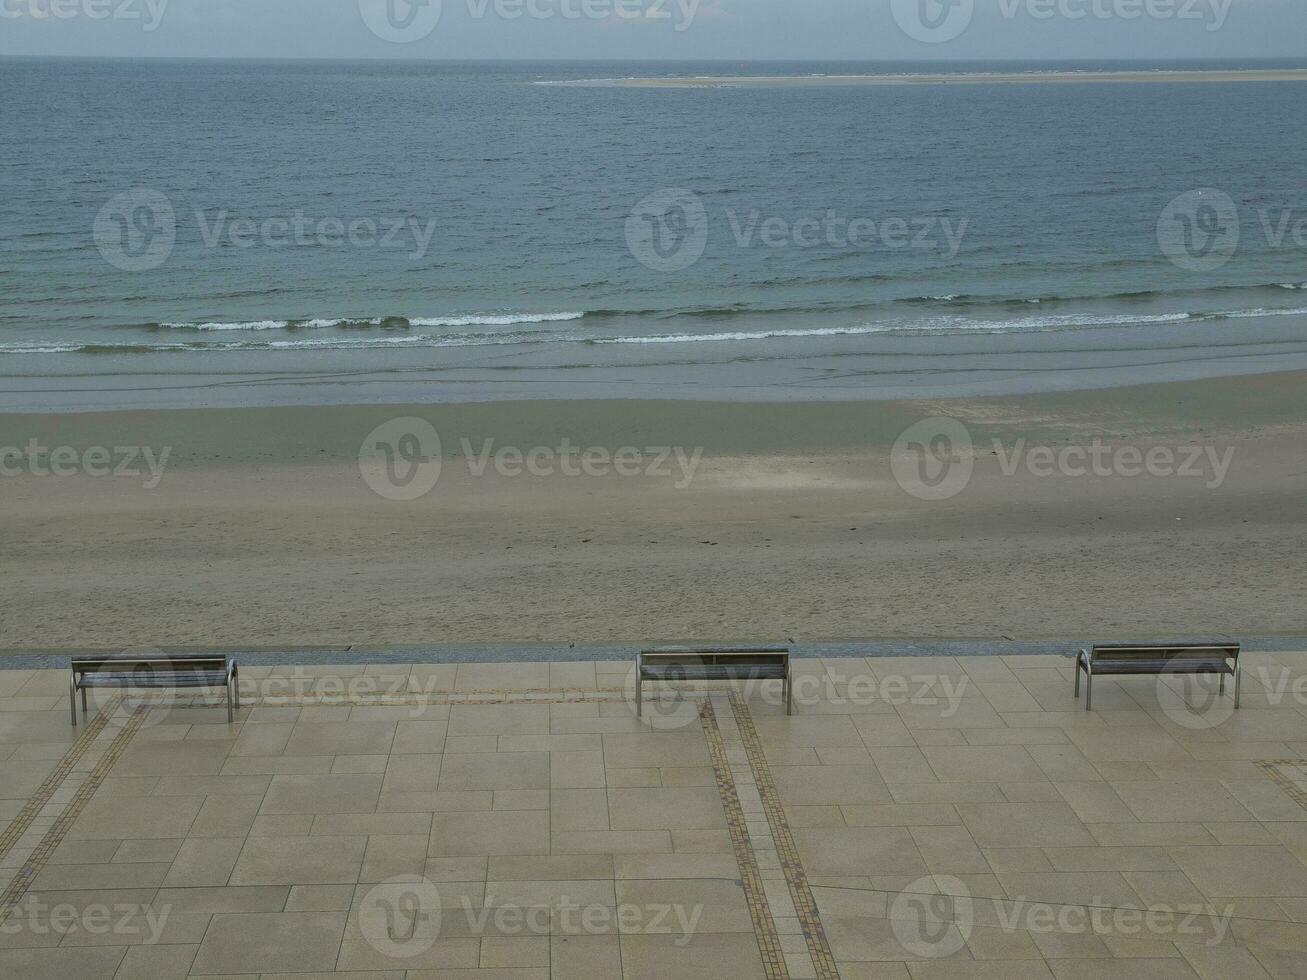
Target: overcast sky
[669,29]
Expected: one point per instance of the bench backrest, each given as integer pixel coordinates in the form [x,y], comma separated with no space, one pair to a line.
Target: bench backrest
[149,663]
[1123,653]
[716,657]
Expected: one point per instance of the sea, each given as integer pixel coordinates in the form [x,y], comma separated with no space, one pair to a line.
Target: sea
[225,233]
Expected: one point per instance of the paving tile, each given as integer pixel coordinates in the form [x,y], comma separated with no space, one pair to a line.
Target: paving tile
[1033,824]
[350,738]
[836,785]
[299,861]
[495,770]
[1167,801]
[123,817]
[204,862]
[713,955]
[86,963]
[966,763]
[285,942]
[319,794]
[656,809]
[490,833]
[1242,871]
[860,850]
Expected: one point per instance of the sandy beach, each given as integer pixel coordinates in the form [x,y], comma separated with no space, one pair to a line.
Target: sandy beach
[774,521]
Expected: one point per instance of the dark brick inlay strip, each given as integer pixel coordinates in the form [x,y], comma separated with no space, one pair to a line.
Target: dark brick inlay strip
[764,927]
[814,933]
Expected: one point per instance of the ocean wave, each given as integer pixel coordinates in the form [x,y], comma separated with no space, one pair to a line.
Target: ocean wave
[252,338]
[938,326]
[1260,311]
[244,325]
[322,323]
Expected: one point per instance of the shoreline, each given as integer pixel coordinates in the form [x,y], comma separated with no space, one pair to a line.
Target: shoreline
[315,434]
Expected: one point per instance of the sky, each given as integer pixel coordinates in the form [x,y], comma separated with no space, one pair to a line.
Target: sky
[734,30]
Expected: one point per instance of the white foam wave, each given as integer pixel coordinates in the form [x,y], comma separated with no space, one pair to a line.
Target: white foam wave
[319,323]
[242,325]
[933,325]
[492,320]
[1261,311]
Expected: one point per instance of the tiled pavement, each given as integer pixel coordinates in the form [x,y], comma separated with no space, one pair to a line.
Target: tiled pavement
[927,818]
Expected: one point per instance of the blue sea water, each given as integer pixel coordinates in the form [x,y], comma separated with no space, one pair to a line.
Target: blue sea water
[187,232]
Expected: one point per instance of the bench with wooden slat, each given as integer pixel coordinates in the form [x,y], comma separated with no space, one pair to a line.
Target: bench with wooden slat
[154,671]
[1221,659]
[713,664]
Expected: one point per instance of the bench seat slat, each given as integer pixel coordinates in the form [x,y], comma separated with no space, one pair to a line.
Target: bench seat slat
[187,678]
[712,672]
[1176,666]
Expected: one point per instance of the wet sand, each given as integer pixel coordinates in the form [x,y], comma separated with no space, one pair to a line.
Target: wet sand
[261,529]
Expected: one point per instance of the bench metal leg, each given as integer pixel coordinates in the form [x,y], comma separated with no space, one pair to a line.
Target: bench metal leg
[789,692]
[72,696]
[84,709]
[639,694]
[1238,682]
[1089,687]
[1222,689]
[230,717]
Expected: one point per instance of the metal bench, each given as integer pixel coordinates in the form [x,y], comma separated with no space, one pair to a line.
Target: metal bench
[1160,658]
[162,670]
[684,664]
